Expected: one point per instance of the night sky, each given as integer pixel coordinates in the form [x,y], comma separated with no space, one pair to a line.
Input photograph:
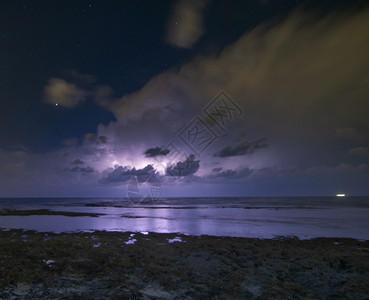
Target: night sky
[195,98]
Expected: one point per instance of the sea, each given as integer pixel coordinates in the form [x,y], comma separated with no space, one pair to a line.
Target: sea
[253,217]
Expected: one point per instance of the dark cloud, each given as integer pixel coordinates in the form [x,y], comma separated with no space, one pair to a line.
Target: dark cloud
[243,148]
[77,162]
[219,173]
[102,139]
[80,169]
[186,168]
[94,138]
[157,151]
[226,173]
[124,174]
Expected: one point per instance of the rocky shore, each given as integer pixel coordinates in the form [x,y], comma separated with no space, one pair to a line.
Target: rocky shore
[115,265]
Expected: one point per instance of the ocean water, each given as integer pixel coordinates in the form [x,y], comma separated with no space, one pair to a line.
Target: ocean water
[304,217]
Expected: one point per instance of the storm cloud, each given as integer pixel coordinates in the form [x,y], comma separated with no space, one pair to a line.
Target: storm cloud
[303,82]
[82,169]
[219,173]
[157,151]
[77,162]
[185,168]
[287,76]
[78,166]
[122,174]
[242,148]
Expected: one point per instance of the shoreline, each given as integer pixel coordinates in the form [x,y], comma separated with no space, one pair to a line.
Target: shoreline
[268,224]
[175,266]
[45,212]
[91,231]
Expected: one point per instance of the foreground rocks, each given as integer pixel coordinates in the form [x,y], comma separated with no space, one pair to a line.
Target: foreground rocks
[112,265]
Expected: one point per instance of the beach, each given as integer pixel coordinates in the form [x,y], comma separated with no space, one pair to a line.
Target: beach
[147,265]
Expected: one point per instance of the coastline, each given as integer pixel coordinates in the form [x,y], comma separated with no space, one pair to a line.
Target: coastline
[218,221]
[175,266]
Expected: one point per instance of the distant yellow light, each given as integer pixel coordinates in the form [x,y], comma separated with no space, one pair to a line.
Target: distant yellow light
[56,104]
[340,195]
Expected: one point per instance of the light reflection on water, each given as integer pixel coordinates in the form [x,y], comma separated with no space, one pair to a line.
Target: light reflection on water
[259,223]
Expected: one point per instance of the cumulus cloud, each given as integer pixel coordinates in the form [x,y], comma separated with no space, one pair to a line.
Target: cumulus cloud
[163,97]
[74,87]
[60,92]
[297,81]
[243,148]
[186,25]
[185,168]
[157,151]
[123,174]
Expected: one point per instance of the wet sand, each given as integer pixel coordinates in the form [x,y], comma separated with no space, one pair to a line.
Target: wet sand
[115,265]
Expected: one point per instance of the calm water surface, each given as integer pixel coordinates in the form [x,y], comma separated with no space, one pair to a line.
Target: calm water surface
[306,217]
